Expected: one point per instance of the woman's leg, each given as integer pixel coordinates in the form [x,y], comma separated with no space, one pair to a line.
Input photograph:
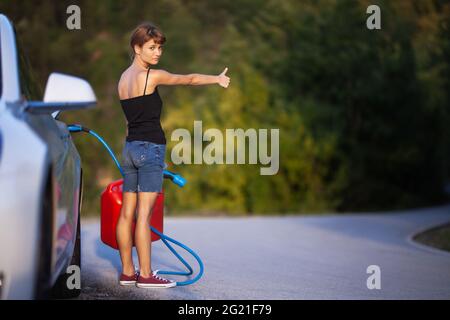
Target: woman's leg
[142,232]
[123,232]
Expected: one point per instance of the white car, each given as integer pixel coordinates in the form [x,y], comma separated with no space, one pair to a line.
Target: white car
[40,178]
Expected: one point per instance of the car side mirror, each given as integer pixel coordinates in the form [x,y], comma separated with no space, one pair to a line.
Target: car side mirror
[63,92]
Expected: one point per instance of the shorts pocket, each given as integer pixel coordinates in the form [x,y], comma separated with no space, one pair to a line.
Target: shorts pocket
[156,153]
[147,153]
[137,154]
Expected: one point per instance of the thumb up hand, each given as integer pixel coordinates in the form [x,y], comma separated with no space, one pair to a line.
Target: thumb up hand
[224,81]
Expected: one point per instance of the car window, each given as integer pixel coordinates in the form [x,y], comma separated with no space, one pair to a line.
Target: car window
[29,86]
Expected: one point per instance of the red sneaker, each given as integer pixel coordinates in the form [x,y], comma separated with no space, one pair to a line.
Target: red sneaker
[125,280]
[154,282]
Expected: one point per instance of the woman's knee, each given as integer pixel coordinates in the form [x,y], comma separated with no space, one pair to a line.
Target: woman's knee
[126,216]
[144,214]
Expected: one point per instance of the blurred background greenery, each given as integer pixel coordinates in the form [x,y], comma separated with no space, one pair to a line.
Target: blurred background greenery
[363,114]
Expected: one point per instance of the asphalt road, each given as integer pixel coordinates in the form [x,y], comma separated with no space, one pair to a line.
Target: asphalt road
[290,257]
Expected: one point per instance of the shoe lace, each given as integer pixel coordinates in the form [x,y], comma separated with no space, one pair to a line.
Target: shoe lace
[159,278]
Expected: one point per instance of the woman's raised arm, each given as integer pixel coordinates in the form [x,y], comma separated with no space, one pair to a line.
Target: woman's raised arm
[194,79]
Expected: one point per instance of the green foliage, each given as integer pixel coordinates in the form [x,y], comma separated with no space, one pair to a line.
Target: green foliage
[362,113]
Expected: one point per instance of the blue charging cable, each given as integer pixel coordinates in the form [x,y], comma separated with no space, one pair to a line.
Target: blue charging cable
[178,180]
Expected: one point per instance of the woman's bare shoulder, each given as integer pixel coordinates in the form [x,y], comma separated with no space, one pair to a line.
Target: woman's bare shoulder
[152,74]
[157,77]
[121,82]
[123,76]
[124,83]
[132,82]
[151,79]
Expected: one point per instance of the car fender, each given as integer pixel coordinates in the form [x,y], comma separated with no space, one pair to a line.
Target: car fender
[22,176]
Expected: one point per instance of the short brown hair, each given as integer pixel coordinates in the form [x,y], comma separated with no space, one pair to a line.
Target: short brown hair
[144,32]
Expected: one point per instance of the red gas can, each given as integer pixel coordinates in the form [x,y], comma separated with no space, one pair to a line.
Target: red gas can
[111,203]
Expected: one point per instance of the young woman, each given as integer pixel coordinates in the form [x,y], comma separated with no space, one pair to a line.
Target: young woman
[145,147]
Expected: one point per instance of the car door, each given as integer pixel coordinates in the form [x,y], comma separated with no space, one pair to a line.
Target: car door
[66,168]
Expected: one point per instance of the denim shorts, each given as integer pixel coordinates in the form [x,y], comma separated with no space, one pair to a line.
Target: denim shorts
[142,165]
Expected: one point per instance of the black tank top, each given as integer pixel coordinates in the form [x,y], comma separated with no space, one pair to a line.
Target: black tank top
[143,114]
